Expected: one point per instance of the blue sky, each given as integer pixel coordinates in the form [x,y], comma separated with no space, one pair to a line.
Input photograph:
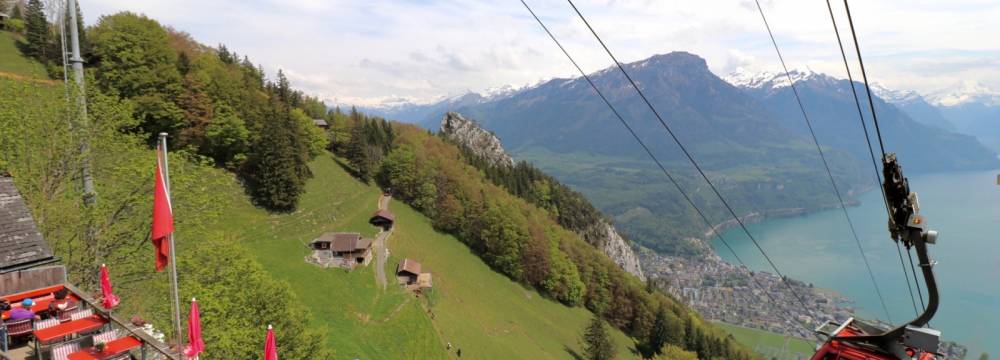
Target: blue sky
[367,52]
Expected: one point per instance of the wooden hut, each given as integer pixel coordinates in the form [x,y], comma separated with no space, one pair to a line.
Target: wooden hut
[346,250]
[383,219]
[412,275]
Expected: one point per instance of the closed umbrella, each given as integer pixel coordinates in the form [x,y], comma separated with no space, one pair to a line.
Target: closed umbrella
[110,300]
[270,348]
[195,344]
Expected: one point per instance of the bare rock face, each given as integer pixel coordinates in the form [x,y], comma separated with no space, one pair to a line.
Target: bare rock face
[601,234]
[616,248]
[481,142]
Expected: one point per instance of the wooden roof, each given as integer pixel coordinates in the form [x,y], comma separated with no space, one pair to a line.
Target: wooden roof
[385,214]
[320,122]
[20,241]
[344,242]
[408,265]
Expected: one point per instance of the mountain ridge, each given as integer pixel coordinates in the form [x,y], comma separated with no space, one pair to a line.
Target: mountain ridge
[724,126]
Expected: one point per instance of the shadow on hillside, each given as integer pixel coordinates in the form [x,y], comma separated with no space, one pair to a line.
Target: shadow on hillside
[22,46]
[346,167]
[573,353]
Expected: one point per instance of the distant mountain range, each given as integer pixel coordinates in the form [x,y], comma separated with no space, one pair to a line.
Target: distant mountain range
[911,127]
[746,130]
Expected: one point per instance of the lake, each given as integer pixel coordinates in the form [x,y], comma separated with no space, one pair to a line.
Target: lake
[963,207]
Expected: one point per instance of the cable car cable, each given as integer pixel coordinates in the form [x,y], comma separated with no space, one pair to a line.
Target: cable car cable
[871,152]
[878,132]
[650,153]
[689,156]
[826,165]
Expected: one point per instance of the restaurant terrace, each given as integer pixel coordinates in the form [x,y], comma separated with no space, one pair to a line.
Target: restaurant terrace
[79,328]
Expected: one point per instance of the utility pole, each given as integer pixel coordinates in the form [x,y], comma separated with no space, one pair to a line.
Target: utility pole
[89,194]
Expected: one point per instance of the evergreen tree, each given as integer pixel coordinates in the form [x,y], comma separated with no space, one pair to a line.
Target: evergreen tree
[597,344]
[15,11]
[667,329]
[275,172]
[37,28]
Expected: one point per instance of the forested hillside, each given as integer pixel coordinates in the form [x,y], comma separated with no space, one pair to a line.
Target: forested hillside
[522,241]
[230,127]
[39,151]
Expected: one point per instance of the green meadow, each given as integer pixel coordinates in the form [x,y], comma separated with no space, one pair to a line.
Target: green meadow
[471,306]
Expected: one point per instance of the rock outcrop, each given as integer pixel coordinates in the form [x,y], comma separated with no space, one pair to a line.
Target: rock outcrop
[619,250]
[473,137]
[602,234]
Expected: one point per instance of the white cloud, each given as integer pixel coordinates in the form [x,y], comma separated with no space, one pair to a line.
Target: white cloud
[372,50]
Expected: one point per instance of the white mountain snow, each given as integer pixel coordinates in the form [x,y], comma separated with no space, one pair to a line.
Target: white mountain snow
[745,79]
[969,91]
[894,96]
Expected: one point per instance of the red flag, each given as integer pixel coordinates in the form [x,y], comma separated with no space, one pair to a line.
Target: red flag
[195,344]
[110,300]
[270,348]
[163,218]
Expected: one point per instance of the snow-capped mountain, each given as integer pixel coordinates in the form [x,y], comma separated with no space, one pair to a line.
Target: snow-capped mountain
[967,92]
[413,111]
[914,105]
[769,81]
[894,96]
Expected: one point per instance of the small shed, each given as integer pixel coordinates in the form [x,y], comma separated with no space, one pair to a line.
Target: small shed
[383,219]
[3,20]
[321,123]
[412,275]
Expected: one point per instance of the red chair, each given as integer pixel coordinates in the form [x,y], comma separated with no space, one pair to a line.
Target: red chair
[20,327]
[66,314]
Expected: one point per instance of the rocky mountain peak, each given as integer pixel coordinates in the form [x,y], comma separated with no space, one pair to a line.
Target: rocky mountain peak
[674,59]
[470,135]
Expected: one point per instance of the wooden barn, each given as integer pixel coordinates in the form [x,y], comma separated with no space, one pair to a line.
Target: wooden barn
[383,219]
[320,123]
[345,250]
[410,274]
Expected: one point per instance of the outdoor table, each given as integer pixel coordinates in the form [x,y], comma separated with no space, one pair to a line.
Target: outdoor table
[40,305]
[91,323]
[111,349]
[16,298]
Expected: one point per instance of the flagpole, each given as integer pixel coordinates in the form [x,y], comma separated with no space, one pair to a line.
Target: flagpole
[173,258]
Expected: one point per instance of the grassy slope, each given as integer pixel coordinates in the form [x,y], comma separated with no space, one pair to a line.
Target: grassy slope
[476,309]
[12,61]
[769,344]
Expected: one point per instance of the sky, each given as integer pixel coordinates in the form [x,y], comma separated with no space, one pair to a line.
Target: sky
[368,52]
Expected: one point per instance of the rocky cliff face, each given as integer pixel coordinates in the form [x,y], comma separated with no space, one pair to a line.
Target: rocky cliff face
[616,248]
[483,143]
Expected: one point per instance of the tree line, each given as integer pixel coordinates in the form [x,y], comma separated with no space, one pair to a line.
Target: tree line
[41,153]
[524,241]
[567,206]
[212,101]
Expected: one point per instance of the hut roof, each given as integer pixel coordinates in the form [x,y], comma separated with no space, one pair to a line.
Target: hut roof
[386,214]
[320,122]
[20,241]
[340,241]
[410,266]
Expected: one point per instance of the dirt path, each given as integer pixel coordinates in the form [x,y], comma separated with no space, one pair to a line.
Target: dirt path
[380,246]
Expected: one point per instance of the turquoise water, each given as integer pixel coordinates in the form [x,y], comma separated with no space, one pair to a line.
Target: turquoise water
[963,207]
